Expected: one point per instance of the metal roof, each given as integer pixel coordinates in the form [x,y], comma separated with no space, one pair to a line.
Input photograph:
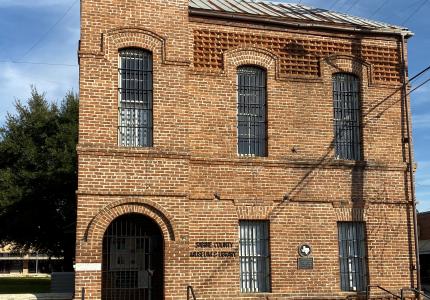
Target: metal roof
[293,14]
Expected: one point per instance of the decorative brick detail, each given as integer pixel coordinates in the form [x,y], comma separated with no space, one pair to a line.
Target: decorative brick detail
[132,37]
[97,227]
[297,57]
[347,64]
[253,212]
[351,214]
[118,38]
[250,56]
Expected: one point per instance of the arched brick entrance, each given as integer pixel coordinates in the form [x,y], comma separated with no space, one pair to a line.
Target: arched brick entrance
[132,259]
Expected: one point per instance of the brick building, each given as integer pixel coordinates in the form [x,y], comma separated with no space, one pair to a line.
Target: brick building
[249,150]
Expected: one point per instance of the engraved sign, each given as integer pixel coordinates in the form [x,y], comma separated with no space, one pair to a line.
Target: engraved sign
[305,263]
[213,250]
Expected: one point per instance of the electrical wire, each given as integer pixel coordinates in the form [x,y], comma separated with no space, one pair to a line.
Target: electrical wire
[49,30]
[419,74]
[342,6]
[37,63]
[352,5]
[334,4]
[418,86]
[378,9]
[414,12]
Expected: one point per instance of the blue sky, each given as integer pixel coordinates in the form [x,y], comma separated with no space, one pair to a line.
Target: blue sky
[28,34]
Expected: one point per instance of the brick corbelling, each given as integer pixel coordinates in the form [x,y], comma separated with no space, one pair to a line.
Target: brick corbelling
[148,152]
[309,163]
[108,150]
[299,54]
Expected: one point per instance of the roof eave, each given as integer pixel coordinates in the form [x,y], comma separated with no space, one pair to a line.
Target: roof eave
[296,23]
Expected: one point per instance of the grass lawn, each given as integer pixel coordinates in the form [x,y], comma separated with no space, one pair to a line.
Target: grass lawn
[24,285]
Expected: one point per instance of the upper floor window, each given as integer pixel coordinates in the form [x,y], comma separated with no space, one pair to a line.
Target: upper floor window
[346,103]
[251,111]
[135,98]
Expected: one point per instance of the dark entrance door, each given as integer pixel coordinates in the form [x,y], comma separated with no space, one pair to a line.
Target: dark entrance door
[132,259]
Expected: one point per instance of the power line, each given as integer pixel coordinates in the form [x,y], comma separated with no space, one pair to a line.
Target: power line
[418,86]
[352,5]
[37,63]
[419,74]
[342,6]
[414,12]
[334,4]
[378,9]
[50,29]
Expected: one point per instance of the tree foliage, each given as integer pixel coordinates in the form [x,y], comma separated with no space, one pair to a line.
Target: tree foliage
[38,176]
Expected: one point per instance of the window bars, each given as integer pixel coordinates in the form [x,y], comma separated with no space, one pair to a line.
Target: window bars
[135,98]
[132,260]
[254,256]
[347,113]
[251,111]
[352,256]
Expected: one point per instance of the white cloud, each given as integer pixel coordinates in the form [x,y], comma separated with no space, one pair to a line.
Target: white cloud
[16,80]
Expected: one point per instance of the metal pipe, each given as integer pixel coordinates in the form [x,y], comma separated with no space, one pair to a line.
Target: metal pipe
[410,165]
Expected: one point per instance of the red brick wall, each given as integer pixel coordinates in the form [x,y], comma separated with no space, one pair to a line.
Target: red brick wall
[195,152]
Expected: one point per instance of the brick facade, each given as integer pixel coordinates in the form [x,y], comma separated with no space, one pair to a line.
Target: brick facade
[192,182]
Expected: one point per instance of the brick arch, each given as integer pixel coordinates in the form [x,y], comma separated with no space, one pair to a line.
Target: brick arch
[254,212]
[347,64]
[251,56]
[356,214]
[98,225]
[118,38]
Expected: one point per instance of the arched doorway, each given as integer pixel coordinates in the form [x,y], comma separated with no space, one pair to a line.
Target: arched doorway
[132,259]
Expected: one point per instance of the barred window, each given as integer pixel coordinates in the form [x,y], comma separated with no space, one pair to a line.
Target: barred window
[254,256]
[251,111]
[346,102]
[135,98]
[352,256]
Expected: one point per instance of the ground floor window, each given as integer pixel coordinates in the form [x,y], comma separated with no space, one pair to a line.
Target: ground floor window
[254,256]
[352,256]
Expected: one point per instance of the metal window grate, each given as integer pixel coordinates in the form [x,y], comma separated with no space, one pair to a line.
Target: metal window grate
[251,111]
[132,259]
[135,93]
[254,257]
[352,256]
[346,103]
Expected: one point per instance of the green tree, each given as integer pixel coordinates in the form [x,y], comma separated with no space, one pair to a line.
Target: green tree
[38,176]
